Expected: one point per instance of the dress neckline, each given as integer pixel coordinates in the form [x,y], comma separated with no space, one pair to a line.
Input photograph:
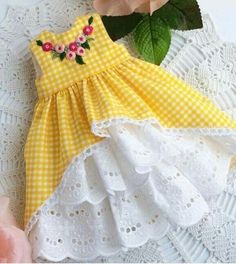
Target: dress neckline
[72,28]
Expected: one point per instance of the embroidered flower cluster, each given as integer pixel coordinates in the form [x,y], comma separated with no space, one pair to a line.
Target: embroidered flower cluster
[75,50]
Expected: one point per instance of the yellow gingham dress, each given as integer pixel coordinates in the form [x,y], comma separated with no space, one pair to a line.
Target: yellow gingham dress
[76,104]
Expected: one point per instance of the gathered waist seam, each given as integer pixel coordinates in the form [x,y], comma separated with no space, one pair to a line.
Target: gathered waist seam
[74,83]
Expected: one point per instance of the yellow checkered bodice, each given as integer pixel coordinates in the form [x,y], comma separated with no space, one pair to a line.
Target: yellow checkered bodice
[57,74]
[111,84]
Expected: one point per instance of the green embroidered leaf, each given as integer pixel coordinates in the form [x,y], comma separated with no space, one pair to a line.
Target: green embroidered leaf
[90,21]
[62,56]
[119,26]
[181,14]
[152,38]
[39,42]
[85,45]
[55,55]
[79,60]
[90,39]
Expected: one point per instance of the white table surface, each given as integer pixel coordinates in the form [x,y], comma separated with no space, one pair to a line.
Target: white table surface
[223,14]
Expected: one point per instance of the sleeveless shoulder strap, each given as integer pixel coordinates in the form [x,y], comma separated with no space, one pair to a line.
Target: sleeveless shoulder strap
[41,47]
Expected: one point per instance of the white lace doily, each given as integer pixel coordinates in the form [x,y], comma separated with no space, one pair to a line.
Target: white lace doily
[199,57]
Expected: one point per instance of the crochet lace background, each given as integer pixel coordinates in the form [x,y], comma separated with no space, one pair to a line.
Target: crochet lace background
[199,57]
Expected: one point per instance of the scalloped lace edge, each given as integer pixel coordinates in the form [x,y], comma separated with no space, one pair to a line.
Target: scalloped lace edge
[97,128]
[41,254]
[83,155]
[101,254]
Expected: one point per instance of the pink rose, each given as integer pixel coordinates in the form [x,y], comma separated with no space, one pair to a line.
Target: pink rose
[47,46]
[80,51]
[81,39]
[73,46]
[14,246]
[59,48]
[70,55]
[126,7]
[88,30]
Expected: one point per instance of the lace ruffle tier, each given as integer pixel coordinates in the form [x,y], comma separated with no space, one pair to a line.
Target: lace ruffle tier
[127,189]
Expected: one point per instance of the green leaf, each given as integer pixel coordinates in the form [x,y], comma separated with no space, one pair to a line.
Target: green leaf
[39,42]
[119,26]
[90,39]
[152,39]
[79,59]
[85,45]
[90,21]
[62,56]
[55,55]
[181,14]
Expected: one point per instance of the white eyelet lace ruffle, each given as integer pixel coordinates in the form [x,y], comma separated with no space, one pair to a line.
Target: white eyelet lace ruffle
[127,189]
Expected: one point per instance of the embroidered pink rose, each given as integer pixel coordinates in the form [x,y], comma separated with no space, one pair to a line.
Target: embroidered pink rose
[81,39]
[73,46]
[47,46]
[59,48]
[14,246]
[80,51]
[70,55]
[126,7]
[88,30]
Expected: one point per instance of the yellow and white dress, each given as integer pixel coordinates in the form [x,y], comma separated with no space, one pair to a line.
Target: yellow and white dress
[118,148]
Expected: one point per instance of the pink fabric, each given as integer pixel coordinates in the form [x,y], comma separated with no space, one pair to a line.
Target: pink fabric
[14,246]
[126,7]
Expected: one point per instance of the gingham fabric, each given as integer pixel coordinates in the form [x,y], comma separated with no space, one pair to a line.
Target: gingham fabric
[111,84]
